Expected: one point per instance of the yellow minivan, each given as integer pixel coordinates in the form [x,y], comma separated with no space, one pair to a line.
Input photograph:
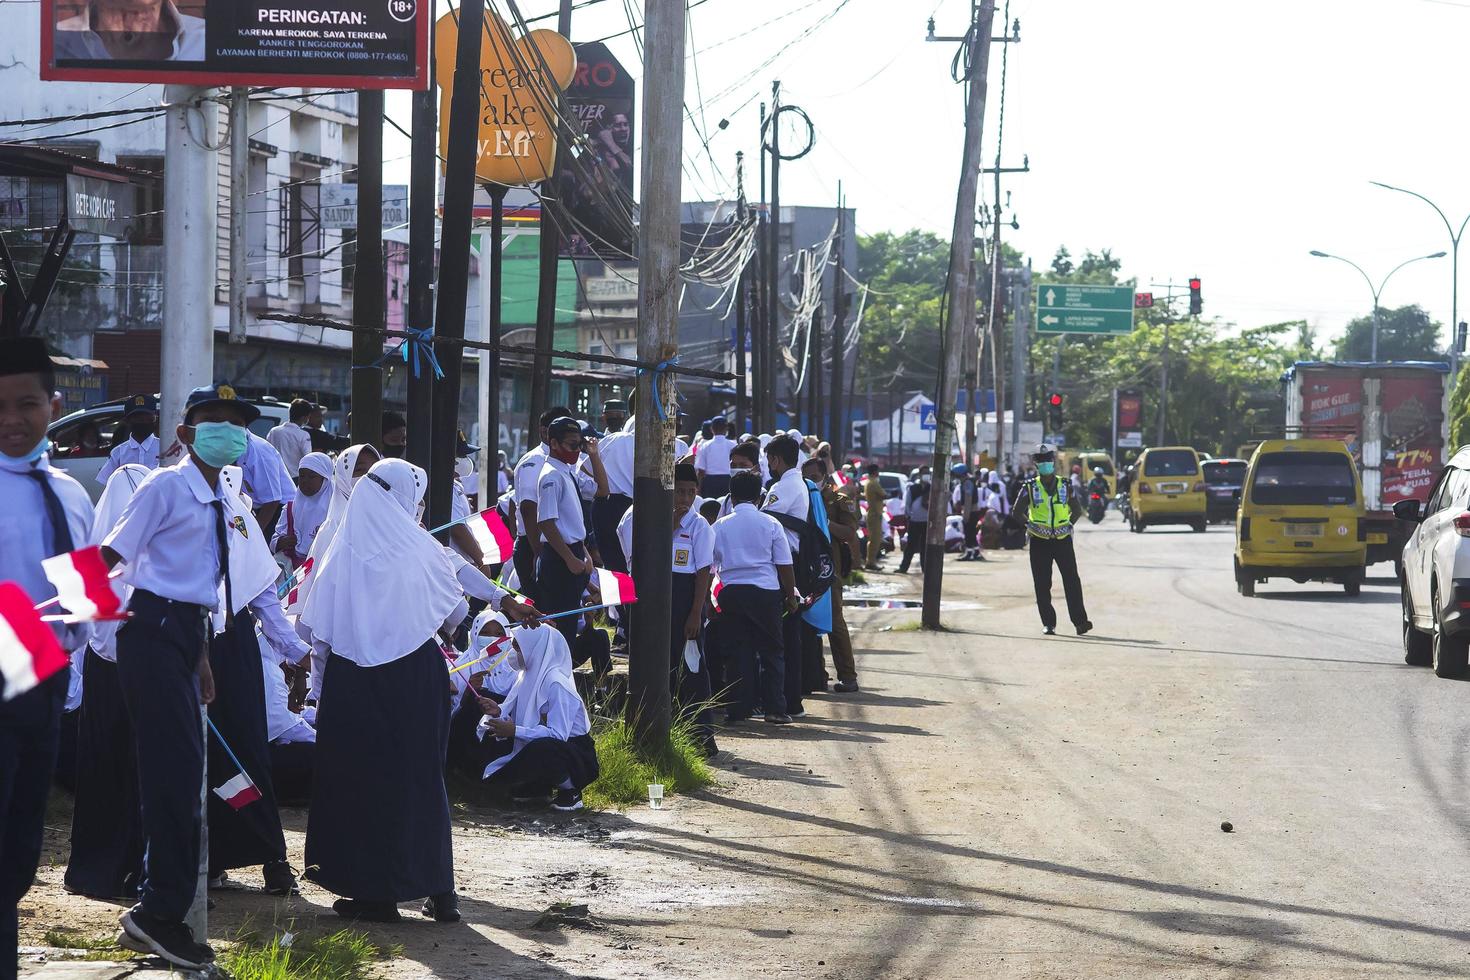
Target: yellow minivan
[1301,516]
[1168,488]
[1094,462]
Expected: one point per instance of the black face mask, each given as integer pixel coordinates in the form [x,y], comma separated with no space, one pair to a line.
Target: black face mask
[140,431]
[392,452]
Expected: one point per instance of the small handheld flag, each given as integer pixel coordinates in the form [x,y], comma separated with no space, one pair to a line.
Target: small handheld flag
[82,586]
[615,587]
[29,652]
[490,651]
[491,535]
[293,581]
[241,790]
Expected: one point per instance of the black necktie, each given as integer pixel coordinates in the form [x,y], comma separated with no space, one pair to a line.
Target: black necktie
[60,541]
[224,560]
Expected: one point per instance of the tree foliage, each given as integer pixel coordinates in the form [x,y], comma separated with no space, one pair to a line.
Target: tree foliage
[1404,334]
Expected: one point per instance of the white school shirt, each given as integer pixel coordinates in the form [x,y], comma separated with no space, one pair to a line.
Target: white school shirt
[714,456]
[558,499]
[459,510]
[789,496]
[616,450]
[694,541]
[266,478]
[566,718]
[22,543]
[748,545]
[282,725]
[292,442]
[130,451]
[527,472]
[166,535]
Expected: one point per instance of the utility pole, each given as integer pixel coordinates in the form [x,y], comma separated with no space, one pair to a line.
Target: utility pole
[454,252]
[742,326]
[550,265]
[760,348]
[835,435]
[814,369]
[239,208]
[423,205]
[961,298]
[1020,325]
[367,279]
[772,336]
[658,342]
[490,359]
[1164,385]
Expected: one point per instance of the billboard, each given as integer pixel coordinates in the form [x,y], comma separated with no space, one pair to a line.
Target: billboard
[338,206]
[599,185]
[359,44]
[1413,443]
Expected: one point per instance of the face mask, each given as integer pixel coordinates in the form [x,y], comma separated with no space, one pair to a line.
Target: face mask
[140,431]
[463,467]
[38,452]
[1046,469]
[482,643]
[219,443]
[392,452]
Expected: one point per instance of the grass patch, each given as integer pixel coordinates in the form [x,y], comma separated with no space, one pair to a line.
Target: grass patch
[90,947]
[626,771]
[342,955]
[854,577]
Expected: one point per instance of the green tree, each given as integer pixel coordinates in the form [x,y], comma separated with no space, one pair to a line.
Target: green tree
[1404,334]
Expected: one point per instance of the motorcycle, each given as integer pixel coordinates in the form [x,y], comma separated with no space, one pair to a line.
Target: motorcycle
[1125,510]
[1095,507]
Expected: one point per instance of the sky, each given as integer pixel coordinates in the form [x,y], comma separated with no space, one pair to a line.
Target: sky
[1192,138]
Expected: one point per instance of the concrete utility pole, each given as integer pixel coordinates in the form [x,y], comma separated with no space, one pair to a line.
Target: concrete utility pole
[239,208]
[423,202]
[773,272]
[658,342]
[1020,323]
[367,280]
[742,322]
[839,335]
[961,301]
[190,186]
[454,252]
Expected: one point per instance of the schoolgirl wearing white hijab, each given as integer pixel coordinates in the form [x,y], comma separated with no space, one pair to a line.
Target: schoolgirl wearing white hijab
[297,526]
[483,670]
[106,831]
[543,737]
[378,833]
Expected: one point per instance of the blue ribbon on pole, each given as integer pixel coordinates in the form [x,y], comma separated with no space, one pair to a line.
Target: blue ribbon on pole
[657,370]
[419,345]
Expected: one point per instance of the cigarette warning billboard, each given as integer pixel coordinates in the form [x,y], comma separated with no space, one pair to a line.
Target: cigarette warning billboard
[358,44]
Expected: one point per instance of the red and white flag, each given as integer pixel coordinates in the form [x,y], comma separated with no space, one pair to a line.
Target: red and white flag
[491,535]
[616,588]
[29,652]
[716,587]
[238,792]
[290,589]
[82,585]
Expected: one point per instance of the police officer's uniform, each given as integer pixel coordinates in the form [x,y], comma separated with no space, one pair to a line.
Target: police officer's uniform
[1049,517]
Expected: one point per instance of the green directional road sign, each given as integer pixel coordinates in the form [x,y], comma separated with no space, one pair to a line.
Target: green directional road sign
[1084,309]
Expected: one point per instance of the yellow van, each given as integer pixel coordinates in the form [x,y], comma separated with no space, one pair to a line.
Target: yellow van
[1301,516]
[1168,488]
[1094,462]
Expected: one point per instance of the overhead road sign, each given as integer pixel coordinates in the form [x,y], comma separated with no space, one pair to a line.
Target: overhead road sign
[1067,308]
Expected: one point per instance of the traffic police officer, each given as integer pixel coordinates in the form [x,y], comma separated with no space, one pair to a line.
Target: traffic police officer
[1050,510]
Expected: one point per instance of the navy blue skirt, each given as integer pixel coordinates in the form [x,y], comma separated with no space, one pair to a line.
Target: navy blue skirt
[379,824]
[106,822]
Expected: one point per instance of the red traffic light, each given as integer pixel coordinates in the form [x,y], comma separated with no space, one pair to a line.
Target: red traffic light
[1056,401]
[1194,285]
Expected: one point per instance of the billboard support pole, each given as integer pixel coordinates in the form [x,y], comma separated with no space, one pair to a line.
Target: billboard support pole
[548,269]
[423,194]
[239,184]
[367,279]
[490,372]
[454,252]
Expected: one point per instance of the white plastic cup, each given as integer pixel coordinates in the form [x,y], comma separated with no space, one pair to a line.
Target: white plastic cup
[655,796]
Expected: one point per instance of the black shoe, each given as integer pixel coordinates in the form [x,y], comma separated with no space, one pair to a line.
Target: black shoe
[1049,630]
[567,800]
[278,879]
[173,941]
[778,719]
[362,911]
[733,721]
[1085,628]
[442,908]
[798,713]
[845,687]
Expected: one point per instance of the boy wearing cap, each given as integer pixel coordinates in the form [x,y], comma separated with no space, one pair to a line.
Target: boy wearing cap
[140,421]
[171,540]
[43,512]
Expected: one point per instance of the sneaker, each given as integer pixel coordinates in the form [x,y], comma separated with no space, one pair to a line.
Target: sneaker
[1085,628]
[845,687]
[1049,631]
[362,911]
[220,880]
[279,879]
[442,908]
[798,713]
[778,719]
[173,941]
[758,713]
[567,800]
[980,557]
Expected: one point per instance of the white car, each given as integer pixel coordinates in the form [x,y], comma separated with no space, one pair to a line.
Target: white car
[82,458]
[1434,576]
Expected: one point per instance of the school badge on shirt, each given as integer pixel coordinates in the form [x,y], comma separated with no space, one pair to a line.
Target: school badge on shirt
[681,556]
[238,523]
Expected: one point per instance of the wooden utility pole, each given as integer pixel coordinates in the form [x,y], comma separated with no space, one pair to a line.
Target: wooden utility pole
[454,253]
[835,435]
[367,279]
[658,342]
[742,324]
[550,266]
[961,309]
[423,193]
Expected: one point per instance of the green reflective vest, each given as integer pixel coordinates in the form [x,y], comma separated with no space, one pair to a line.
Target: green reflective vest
[1050,516]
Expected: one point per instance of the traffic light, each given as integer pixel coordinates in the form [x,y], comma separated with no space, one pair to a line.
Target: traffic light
[1196,305]
[1055,417]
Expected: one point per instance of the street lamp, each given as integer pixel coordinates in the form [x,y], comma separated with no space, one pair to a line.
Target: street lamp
[1455,237]
[1377,291]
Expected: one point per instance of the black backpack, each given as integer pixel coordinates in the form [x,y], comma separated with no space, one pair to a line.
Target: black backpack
[815,570]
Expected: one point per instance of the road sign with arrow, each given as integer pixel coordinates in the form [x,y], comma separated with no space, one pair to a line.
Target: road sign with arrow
[1065,308]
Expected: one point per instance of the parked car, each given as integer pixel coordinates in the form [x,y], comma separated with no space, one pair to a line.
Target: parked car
[1224,479]
[1434,574]
[74,450]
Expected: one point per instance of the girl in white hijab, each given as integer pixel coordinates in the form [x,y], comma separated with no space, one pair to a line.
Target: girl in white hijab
[543,742]
[378,833]
[482,670]
[106,834]
[300,518]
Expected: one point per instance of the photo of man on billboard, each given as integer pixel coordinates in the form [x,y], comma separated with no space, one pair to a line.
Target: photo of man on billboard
[128,30]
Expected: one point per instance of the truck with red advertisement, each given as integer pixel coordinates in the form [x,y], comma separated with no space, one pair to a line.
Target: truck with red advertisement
[1394,418]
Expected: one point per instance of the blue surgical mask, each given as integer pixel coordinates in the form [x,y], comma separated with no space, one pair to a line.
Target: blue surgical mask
[35,454]
[482,642]
[219,443]
[1046,469]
